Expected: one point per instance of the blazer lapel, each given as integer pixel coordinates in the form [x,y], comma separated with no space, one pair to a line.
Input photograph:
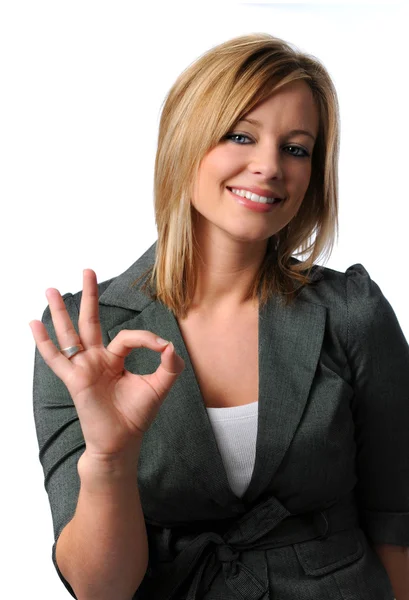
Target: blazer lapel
[290,341]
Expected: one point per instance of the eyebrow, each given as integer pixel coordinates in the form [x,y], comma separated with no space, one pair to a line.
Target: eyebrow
[292,132]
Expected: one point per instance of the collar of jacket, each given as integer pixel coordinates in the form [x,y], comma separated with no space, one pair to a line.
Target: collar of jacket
[121,293]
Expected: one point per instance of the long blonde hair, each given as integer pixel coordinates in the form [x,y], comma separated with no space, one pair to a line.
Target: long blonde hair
[203,105]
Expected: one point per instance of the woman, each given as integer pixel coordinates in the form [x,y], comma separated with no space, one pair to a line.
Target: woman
[279,460]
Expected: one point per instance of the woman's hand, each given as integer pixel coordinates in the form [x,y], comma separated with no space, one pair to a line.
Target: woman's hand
[114,406]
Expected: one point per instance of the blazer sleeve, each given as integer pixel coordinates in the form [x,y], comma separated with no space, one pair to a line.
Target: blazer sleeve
[378,355]
[59,436]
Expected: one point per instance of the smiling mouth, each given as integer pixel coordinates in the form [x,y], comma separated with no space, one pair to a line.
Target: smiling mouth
[254,197]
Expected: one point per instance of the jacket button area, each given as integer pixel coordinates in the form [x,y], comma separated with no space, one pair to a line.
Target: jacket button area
[226,553]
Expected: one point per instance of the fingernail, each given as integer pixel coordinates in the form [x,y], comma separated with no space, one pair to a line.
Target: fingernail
[161,341]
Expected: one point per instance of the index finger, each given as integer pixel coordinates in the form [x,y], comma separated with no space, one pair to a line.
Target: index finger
[88,322]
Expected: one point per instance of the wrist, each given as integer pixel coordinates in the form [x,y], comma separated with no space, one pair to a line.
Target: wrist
[97,469]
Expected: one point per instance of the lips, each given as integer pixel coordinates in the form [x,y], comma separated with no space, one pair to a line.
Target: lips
[258,207]
[257,190]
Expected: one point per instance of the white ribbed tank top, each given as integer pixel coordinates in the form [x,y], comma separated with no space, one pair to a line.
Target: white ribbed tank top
[235,430]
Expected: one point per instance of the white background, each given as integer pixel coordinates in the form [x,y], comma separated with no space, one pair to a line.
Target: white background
[82,84]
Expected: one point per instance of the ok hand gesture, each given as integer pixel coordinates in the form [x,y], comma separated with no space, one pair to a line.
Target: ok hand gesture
[114,406]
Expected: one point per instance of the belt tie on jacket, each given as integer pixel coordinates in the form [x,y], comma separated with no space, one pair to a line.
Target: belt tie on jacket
[267,525]
[238,577]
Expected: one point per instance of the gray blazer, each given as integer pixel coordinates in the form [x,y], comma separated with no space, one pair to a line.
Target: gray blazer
[332,455]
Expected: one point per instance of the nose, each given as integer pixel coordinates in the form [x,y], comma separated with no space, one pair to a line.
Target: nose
[266,161]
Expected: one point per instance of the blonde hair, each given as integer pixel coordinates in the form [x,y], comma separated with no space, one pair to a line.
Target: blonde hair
[203,105]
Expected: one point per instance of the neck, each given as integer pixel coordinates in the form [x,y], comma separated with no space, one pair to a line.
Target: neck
[226,271]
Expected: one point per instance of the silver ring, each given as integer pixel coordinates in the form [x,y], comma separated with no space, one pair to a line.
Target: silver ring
[72,350]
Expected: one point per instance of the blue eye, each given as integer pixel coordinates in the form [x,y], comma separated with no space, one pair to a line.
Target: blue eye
[236,135]
[305,153]
[231,137]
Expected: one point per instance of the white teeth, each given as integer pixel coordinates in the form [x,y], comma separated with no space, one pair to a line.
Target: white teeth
[254,197]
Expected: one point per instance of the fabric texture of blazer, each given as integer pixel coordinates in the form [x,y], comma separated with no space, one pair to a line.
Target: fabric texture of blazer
[331,473]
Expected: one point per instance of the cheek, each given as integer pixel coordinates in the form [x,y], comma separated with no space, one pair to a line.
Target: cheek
[299,179]
[221,164]
[306,175]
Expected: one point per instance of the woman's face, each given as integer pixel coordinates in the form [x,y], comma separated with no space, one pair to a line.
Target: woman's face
[265,157]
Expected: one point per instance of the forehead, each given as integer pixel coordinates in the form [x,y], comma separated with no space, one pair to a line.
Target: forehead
[292,106]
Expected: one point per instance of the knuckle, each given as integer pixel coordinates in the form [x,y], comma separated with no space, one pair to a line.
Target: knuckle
[68,331]
[89,320]
[125,333]
[121,337]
